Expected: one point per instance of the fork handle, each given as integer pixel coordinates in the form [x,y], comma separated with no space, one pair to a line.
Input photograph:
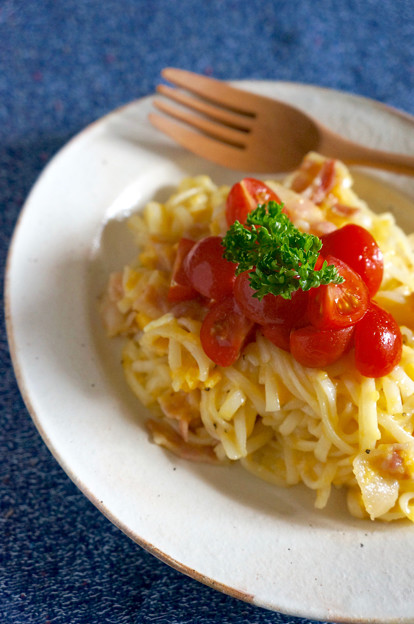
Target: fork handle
[352,153]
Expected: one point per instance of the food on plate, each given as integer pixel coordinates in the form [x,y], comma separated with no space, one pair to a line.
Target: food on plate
[271,323]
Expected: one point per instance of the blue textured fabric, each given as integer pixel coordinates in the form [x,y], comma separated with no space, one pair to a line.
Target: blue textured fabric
[63,64]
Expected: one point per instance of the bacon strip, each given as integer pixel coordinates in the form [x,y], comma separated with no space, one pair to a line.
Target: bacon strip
[163,435]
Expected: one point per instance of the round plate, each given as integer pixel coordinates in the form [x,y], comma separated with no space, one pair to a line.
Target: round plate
[220,525]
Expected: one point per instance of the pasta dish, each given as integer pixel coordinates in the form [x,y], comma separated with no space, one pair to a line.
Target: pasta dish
[328,416]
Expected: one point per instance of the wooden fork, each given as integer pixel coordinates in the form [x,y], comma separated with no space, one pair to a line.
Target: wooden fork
[244,131]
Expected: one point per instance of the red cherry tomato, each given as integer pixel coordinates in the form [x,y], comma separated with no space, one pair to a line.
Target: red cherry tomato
[224,332]
[317,348]
[208,272]
[334,306]
[180,287]
[278,334]
[245,196]
[272,308]
[357,247]
[378,343]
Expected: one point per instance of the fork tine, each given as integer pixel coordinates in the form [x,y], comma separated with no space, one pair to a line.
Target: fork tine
[226,96]
[229,118]
[200,144]
[218,131]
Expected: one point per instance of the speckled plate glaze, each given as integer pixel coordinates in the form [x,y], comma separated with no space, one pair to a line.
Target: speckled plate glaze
[220,525]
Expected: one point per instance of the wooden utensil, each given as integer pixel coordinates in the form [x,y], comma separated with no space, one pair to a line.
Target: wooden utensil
[240,130]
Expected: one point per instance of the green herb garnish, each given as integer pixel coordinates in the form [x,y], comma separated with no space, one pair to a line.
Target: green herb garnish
[281,257]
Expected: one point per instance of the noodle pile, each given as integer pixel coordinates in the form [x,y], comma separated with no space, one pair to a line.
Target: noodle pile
[285,423]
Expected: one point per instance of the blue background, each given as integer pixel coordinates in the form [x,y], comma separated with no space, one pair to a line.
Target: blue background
[63,64]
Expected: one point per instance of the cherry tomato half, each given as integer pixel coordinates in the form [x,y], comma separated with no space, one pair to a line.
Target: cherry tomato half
[180,287]
[272,308]
[245,196]
[378,343]
[357,247]
[224,331]
[317,348]
[278,334]
[208,272]
[334,306]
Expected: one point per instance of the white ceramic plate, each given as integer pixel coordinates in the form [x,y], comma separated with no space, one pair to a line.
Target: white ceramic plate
[219,525]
